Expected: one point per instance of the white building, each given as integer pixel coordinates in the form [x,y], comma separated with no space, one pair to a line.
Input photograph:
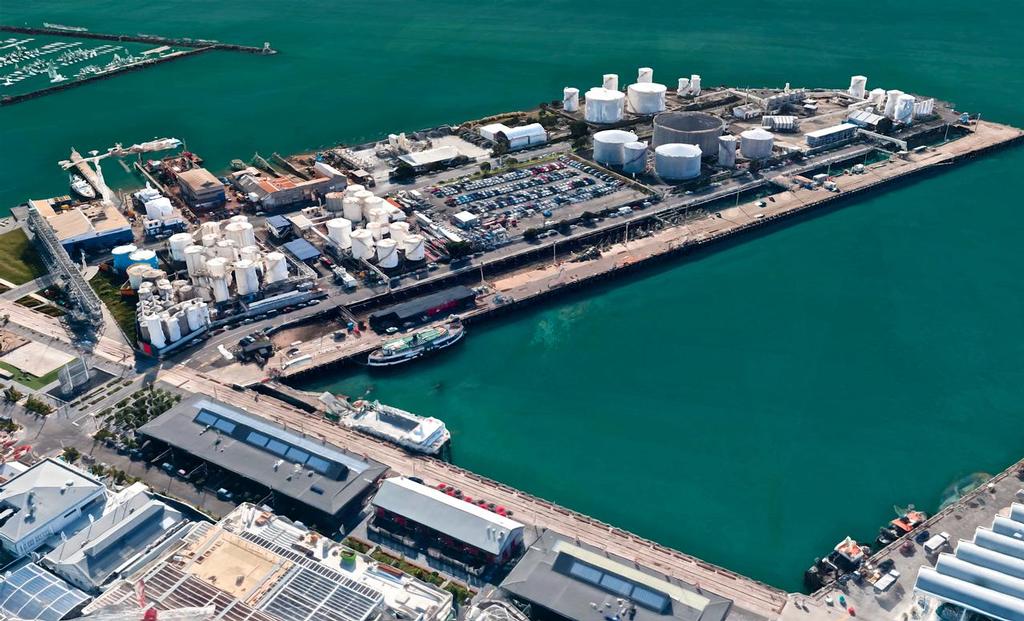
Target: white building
[42,501]
[517,137]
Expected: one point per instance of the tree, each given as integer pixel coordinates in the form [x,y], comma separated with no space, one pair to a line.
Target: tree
[531,234]
[37,406]
[578,129]
[485,167]
[12,394]
[458,250]
[70,454]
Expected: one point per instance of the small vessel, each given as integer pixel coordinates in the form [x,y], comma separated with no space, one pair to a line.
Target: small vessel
[420,342]
[420,434]
[81,187]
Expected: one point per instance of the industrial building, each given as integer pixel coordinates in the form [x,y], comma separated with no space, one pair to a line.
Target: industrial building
[42,501]
[431,159]
[423,309]
[460,531]
[831,135]
[562,579]
[284,191]
[200,189]
[515,137]
[302,250]
[93,226]
[870,121]
[318,481]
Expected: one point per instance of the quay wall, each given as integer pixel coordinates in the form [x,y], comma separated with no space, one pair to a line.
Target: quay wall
[136,38]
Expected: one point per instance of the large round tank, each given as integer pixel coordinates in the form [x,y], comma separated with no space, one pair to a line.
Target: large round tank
[210,228]
[696,128]
[677,161]
[646,97]
[276,268]
[186,292]
[339,231]
[178,242]
[378,215]
[144,255]
[136,273]
[227,249]
[241,233]
[220,286]
[362,244]
[121,257]
[334,201]
[756,144]
[371,203]
[156,330]
[904,112]
[858,86]
[695,84]
[683,88]
[634,157]
[376,230]
[644,75]
[414,247]
[363,195]
[171,327]
[250,253]
[603,105]
[217,267]
[153,274]
[246,280]
[387,253]
[890,102]
[570,99]
[193,317]
[727,151]
[352,209]
[209,240]
[877,98]
[609,146]
[399,231]
[239,218]
[610,81]
[351,189]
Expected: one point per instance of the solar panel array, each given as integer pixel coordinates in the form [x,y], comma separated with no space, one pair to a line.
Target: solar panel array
[305,595]
[169,588]
[31,593]
[313,565]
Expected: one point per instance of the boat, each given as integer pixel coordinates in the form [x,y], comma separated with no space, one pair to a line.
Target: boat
[65,28]
[420,342]
[81,187]
[420,434]
[908,519]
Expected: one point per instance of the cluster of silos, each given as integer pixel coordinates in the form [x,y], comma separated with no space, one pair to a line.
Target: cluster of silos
[165,319]
[646,96]
[688,87]
[384,233]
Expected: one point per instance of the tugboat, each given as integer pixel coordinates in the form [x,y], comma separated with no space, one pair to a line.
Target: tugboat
[418,343]
[81,187]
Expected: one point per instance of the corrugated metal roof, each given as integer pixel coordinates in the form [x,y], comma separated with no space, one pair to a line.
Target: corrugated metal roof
[302,249]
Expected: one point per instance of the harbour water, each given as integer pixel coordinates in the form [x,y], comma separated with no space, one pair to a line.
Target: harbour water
[750,405]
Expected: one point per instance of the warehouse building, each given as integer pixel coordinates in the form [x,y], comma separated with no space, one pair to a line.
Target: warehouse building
[200,189]
[310,480]
[93,226]
[564,579]
[426,308]
[870,121]
[277,193]
[831,135]
[515,137]
[431,159]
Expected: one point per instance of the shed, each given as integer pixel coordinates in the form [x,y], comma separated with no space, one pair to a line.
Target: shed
[302,250]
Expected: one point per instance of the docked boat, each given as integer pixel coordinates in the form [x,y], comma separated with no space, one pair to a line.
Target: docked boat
[420,342]
[420,434]
[81,187]
[908,520]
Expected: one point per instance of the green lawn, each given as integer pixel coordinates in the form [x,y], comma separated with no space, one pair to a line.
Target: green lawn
[19,262]
[27,379]
[123,309]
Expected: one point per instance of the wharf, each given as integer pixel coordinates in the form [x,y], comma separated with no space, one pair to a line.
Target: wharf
[137,38]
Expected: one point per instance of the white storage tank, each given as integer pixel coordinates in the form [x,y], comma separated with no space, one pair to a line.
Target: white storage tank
[145,291]
[193,317]
[695,85]
[387,253]
[339,231]
[378,215]
[727,151]
[904,112]
[646,97]
[195,259]
[376,230]
[352,209]
[414,246]
[217,267]
[371,203]
[210,228]
[121,256]
[171,327]
[683,88]
[220,286]
[634,157]
[178,242]
[153,274]
[164,289]
[156,330]
[890,102]
[249,253]
[604,105]
[239,218]
[644,75]
[363,196]
[756,144]
[351,190]
[227,249]
[858,86]
[609,146]
[186,292]
[209,240]
[241,233]
[399,231]
[246,279]
[362,244]
[610,81]
[136,273]
[143,255]
[877,98]
[276,267]
[677,161]
[334,201]
[570,99]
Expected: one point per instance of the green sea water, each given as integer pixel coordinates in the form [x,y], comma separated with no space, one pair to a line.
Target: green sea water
[750,405]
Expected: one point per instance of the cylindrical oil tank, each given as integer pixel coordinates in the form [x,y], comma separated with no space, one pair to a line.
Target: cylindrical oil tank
[610,81]
[209,240]
[609,146]
[210,228]
[371,203]
[145,291]
[171,327]
[387,253]
[186,292]
[333,201]
[156,330]
[399,231]
[241,233]
[144,255]
[677,161]
[727,151]
[414,247]
[634,157]
[220,285]
[352,189]
[684,87]
[858,86]
[904,112]
[204,312]
[182,320]
[756,144]
[695,85]
[121,254]
[696,128]
[276,268]
[136,273]
[890,102]
[362,244]
[238,218]
[570,99]
[246,280]
[646,97]
[178,242]
[193,317]
[250,253]
[339,231]
[153,275]
[644,75]
[376,230]
[164,289]
[363,196]
[877,98]
[352,209]
[227,249]
[217,267]
[378,215]
[603,105]
[394,213]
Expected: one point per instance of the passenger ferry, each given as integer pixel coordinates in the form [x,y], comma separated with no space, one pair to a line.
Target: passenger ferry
[420,342]
[419,434]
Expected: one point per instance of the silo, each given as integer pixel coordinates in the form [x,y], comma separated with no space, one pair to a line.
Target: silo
[644,75]
[164,289]
[352,209]
[192,316]
[143,255]
[276,268]
[182,320]
[904,112]
[220,286]
[121,254]
[238,218]
[363,196]
[376,230]
[156,330]
[241,233]
[171,327]
[217,267]
[890,102]
[186,292]
[414,248]
[684,87]
[604,105]
[246,280]
[227,249]
[334,201]
[727,151]
[250,253]
[339,231]
[695,85]
[371,203]
[145,291]
[387,253]
[378,215]
[646,98]
[756,144]
[858,86]
[677,161]
[610,81]
[877,98]
[609,146]
[195,259]
[634,157]
[696,128]
[178,242]
[210,228]
[209,240]
[153,275]
[352,189]
[570,99]
[362,244]
[136,273]
[399,231]
[204,312]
